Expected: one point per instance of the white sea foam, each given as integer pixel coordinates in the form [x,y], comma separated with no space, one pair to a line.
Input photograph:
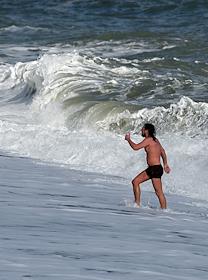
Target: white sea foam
[186,117]
[26,28]
[169,47]
[153,59]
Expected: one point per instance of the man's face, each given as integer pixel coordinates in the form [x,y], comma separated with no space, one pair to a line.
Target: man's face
[143,132]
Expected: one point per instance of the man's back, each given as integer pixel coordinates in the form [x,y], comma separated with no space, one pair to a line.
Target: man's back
[153,151]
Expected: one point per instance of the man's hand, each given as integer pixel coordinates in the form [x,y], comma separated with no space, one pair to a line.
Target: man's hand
[127,136]
[167,168]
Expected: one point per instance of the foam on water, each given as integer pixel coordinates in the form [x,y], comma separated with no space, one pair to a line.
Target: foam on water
[26,28]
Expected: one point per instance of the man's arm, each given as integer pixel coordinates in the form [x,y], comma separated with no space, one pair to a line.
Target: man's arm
[164,156]
[165,161]
[135,146]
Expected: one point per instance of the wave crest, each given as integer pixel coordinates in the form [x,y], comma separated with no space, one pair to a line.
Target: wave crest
[186,117]
[93,93]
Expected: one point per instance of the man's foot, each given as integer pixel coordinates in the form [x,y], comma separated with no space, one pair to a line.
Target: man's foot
[136,205]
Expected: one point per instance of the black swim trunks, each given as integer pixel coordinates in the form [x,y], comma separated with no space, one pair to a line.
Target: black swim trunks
[154,171]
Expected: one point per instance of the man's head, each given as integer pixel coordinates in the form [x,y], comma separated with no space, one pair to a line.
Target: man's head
[148,130]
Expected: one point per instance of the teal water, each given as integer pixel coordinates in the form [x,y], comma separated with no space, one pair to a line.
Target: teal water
[67,21]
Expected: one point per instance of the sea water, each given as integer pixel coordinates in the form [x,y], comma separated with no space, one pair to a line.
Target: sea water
[58,223]
[75,76]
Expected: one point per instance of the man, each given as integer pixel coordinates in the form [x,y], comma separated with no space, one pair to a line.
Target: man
[154,151]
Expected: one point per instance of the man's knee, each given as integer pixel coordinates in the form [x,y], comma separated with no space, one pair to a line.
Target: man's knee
[135,182]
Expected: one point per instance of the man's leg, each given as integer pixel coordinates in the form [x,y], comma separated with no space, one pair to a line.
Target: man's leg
[157,184]
[142,177]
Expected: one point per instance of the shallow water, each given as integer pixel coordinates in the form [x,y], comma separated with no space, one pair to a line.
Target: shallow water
[62,224]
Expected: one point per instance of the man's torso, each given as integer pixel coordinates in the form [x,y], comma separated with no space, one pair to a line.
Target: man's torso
[153,151]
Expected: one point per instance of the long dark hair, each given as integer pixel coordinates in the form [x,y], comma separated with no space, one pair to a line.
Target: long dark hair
[151,129]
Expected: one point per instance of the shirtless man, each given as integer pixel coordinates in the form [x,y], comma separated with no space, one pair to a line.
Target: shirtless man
[154,151]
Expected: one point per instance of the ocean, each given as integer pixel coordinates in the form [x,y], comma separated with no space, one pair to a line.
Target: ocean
[75,76]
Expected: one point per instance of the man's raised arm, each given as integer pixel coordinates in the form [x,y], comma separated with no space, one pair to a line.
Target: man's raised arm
[135,146]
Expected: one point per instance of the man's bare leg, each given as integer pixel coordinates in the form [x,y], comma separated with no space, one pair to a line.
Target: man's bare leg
[142,177]
[157,184]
